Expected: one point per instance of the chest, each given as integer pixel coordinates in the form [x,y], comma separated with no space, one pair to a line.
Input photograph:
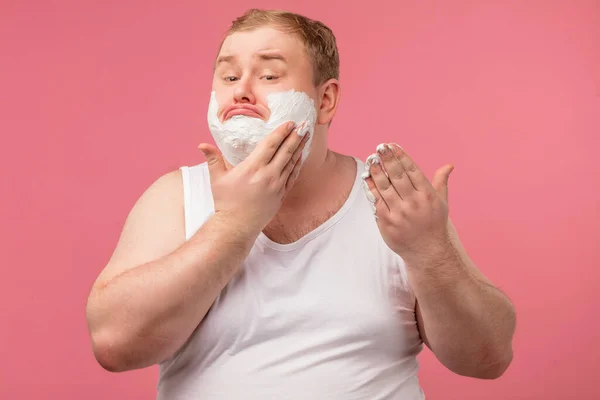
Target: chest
[290,228]
[325,296]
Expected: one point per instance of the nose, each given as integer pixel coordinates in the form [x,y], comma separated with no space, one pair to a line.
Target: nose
[243,93]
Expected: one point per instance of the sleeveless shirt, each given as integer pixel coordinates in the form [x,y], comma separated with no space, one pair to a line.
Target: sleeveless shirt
[330,316]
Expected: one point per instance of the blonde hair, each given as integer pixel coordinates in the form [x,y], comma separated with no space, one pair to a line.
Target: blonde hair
[318,39]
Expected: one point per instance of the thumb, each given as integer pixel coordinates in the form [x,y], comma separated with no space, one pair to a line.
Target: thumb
[440,181]
[214,159]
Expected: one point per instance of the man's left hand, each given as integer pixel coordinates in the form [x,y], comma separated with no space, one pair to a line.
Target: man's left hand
[411,212]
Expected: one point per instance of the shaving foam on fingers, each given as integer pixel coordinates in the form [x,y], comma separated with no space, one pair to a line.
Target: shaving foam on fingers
[372,159]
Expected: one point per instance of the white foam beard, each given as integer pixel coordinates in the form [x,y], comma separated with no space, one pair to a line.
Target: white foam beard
[238,136]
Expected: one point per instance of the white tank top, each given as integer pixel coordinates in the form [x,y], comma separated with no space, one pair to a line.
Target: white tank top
[329,316]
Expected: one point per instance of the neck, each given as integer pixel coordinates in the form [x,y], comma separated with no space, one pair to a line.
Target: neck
[315,180]
[312,182]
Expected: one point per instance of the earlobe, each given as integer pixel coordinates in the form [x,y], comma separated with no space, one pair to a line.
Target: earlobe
[330,98]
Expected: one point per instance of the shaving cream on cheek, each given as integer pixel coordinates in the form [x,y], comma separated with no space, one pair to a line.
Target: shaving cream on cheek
[238,136]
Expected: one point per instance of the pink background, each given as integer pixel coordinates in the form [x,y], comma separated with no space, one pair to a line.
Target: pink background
[97,99]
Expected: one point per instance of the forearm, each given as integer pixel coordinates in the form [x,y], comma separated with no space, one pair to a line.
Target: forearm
[469,323]
[144,315]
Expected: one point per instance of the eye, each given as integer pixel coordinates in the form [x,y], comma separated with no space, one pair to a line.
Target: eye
[269,77]
[230,79]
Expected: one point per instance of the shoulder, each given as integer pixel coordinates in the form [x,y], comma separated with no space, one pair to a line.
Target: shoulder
[169,180]
[171,185]
[161,201]
[164,191]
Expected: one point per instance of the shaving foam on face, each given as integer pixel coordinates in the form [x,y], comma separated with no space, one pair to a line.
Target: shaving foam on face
[238,136]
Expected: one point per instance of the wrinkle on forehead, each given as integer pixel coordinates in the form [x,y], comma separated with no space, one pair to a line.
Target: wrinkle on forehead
[261,39]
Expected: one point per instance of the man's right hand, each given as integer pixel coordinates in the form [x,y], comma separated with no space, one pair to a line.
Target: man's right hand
[169,283]
[252,192]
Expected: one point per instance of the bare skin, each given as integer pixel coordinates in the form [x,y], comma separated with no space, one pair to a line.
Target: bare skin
[157,287]
[462,317]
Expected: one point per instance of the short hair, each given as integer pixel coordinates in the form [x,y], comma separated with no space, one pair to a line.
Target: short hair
[318,39]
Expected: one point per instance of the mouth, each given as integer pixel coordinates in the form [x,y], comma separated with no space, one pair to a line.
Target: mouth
[242,111]
[246,109]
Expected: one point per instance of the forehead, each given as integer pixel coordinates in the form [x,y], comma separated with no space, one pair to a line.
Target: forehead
[262,39]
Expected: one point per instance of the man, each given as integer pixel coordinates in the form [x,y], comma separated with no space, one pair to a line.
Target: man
[275,276]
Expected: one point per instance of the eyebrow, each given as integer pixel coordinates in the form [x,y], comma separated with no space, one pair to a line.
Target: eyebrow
[271,55]
[224,59]
[265,56]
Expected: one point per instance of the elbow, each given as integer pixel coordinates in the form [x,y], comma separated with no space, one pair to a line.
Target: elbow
[489,363]
[116,352]
[108,346]
[108,353]
[110,363]
[494,371]
[111,346]
[491,367]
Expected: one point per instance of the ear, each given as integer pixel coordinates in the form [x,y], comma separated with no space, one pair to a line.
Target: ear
[330,98]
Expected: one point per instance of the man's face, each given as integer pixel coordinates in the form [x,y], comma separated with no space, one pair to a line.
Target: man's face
[253,64]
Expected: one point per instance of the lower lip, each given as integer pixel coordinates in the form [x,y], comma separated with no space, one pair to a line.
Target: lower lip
[248,113]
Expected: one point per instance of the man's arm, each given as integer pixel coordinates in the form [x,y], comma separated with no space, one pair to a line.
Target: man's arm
[463,318]
[157,287]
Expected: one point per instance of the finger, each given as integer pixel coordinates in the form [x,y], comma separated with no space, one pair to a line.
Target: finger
[286,151]
[214,160]
[293,176]
[266,149]
[285,174]
[382,183]
[374,196]
[440,181]
[417,178]
[395,171]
